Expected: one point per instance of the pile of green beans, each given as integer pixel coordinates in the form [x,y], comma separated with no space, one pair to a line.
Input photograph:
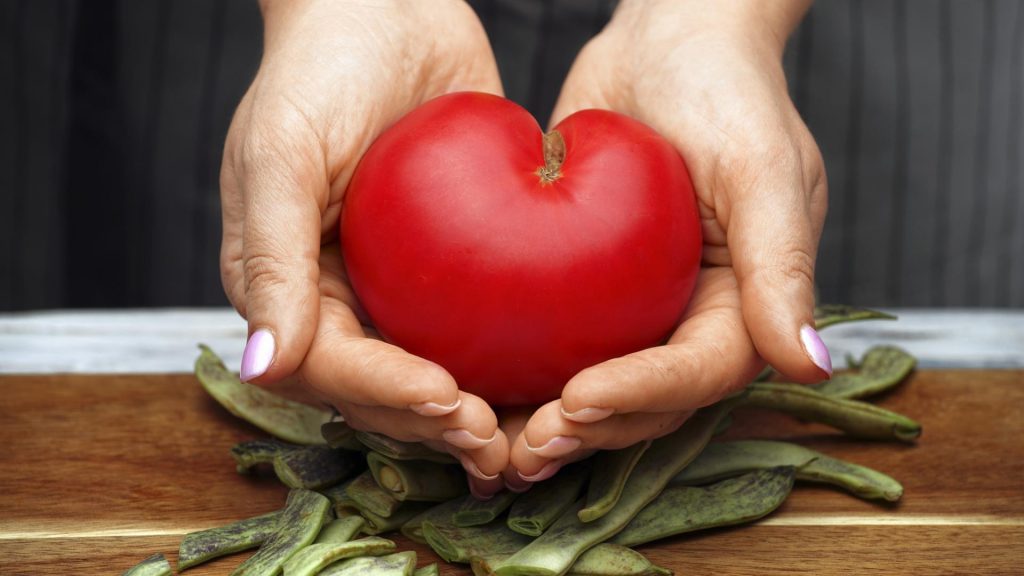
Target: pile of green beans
[350,488]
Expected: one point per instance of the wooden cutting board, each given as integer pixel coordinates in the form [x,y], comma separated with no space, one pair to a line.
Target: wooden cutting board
[98,472]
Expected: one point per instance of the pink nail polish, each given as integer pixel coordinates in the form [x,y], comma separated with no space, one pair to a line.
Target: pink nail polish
[588,415]
[433,409]
[258,354]
[815,349]
[544,473]
[557,447]
[462,438]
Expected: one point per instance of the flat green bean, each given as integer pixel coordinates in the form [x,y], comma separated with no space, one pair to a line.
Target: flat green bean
[279,417]
[680,509]
[406,512]
[554,551]
[475,512]
[398,450]
[729,459]
[605,559]
[315,467]
[205,545]
[301,520]
[397,564]
[340,530]
[826,315]
[368,495]
[611,469]
[463,543]
[254,452]
[315,557]
[417,479]
[155,565]
[413,528]
[338,434]
[853,417]
[535,510]
[428,570]
[881,368]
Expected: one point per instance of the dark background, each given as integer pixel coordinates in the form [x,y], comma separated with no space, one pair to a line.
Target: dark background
[113,115]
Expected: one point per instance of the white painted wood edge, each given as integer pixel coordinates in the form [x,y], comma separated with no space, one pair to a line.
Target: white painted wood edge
[164,340]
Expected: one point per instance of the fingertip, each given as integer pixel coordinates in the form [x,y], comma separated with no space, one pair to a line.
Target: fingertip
[816,349]
[259,353]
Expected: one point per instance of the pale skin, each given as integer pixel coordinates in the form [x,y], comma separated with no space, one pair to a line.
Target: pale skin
[706,75]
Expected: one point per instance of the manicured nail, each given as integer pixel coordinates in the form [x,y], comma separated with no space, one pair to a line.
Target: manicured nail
[477,492]
[557,447]
[462,438]
[517,485]
[815,349]
[259,353]
[473,469]
[588,415]
[434,409]
[544,473]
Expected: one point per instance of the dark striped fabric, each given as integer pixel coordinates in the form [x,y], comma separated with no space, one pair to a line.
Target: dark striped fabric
[113,115]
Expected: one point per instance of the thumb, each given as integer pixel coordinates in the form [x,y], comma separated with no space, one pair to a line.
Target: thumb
[281,245]
[773,234]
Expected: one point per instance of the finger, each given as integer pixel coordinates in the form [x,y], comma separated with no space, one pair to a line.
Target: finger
[233,212]
[511,421]
[349,368]
[773,232]
[549,437]
[472,426]
[709,356]
[284,181]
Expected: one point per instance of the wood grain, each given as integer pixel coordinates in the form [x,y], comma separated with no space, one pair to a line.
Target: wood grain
[98,472]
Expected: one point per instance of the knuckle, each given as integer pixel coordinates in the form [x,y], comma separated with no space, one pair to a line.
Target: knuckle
[264,272]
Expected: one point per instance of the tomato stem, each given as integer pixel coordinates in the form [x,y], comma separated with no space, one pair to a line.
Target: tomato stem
[554,155]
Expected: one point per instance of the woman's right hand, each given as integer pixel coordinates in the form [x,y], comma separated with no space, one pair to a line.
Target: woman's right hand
[334,74]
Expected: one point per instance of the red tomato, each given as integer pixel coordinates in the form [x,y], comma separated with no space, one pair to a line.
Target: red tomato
[467,249]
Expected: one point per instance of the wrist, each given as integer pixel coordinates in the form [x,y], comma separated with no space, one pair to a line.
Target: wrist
[767,23]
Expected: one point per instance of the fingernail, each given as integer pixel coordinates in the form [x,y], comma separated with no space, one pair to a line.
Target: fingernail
[816,349]
[259,352]
[588,415]
[517,485]
[557,447]
[544,473]
[434,409]
[478,493]
[472,468]
[462,438]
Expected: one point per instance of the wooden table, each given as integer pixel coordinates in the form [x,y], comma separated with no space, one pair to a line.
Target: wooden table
[98,472]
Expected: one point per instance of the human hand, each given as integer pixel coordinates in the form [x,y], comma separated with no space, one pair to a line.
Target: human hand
[334,74]
[708,77]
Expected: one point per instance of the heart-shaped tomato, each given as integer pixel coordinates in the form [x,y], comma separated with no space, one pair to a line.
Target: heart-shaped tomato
[516,259]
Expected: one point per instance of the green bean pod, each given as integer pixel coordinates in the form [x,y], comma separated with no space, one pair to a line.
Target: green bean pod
[428,570]
[301,520]
[368,495]
[475,512]
[254,452]
[397,564]
[826,315]
[554,551]
[417,479]
[853,417]
[205,545]
[398,450]
[279,417]
[338,434]
[315,557]
[463,543]
[680,509]
[534,511]
[406,512]
[730,459]
[315,467]
[881,368]
[413,528]
[340,530]
[155,565]
[611,469]
[602,560]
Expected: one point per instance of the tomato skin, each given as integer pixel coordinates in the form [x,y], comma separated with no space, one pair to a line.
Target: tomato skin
[461,255]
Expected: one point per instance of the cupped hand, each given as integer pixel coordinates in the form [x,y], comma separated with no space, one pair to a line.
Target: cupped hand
[708,77]
[335,74]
